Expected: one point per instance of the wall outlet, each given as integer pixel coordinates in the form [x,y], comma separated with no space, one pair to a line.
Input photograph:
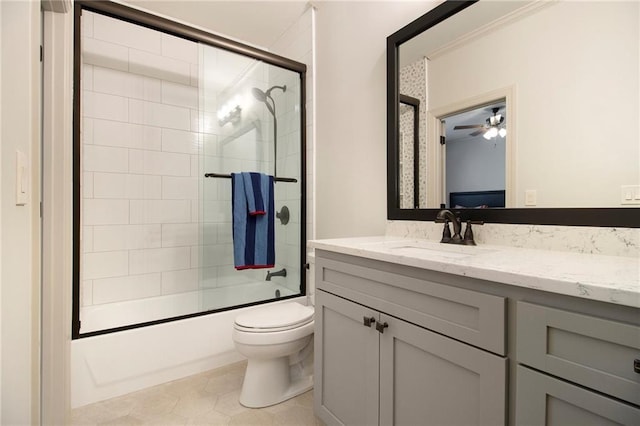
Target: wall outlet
[630,194]
[530,197]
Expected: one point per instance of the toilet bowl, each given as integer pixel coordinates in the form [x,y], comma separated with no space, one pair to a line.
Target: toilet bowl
[278,343]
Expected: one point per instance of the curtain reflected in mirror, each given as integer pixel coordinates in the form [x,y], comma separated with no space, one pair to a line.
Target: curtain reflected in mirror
[409,154]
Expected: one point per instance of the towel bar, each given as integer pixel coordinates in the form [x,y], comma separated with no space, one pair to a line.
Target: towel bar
[221,175]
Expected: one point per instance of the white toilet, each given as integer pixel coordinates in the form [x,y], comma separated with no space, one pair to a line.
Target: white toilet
[278,343]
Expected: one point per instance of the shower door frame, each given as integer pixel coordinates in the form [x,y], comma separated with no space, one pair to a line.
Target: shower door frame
[148,20]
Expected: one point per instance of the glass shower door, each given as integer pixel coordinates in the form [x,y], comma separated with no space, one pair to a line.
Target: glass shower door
[250,122]
[153,239]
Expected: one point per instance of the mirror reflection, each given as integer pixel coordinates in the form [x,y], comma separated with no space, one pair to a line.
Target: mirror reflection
[409,145]
[567,75]
[474,157]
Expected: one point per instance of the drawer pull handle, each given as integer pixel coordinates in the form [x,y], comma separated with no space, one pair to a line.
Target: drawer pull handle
[381,327]
[636,365]
[368,321]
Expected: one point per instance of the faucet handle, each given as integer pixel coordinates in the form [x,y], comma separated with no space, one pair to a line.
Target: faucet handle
[446,232]
[468,234]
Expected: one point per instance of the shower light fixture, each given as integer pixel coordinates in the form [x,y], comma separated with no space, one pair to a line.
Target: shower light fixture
[230,112]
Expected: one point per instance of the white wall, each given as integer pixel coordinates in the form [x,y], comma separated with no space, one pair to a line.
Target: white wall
[475,164]
[351,113]
[57,222]
[19,294]
[1,215]
[576,109]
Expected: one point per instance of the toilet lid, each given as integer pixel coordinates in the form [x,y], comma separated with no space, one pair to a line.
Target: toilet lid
[281,316]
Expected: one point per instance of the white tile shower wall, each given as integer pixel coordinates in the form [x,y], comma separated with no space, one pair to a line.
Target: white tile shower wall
[140,162]
[144,126]
[295,43]
[233,147]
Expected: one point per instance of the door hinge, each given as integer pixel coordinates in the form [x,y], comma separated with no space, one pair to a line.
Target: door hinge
[40,209]
[443,140]
[41,53]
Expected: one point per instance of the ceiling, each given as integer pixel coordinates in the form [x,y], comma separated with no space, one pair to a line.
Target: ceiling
[259,23]
[483,16]
[475,116]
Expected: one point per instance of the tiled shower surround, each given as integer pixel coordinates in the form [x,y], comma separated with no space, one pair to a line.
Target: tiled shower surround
[152,226]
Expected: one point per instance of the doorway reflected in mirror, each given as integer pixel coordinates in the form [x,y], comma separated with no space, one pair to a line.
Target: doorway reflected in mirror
[473,155]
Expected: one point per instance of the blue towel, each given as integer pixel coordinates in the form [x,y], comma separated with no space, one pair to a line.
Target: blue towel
[253,220]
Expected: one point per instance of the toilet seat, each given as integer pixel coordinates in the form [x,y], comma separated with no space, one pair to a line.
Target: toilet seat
[274,318]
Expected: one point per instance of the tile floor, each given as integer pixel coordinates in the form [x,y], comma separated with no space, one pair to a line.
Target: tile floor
[209,398]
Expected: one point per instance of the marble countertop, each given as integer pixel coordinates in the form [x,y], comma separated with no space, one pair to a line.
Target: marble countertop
[612,279]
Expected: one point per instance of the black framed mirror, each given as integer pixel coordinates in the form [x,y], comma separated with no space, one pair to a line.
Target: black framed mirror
[570,213]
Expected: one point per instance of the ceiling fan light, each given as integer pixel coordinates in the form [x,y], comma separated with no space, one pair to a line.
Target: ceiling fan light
[502,132]
[491,133]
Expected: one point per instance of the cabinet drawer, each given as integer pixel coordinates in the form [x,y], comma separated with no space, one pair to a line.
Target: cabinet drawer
[589,351]
[544,400]
[469,316]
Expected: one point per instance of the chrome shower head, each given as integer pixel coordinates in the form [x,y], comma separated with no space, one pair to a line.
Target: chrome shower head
[262,96]
[283,88]
[259,94]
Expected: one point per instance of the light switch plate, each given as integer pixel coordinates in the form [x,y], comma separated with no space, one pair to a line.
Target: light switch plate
[530,197]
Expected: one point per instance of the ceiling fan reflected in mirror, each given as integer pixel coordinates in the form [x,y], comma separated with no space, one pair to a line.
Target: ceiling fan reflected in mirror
[493,126]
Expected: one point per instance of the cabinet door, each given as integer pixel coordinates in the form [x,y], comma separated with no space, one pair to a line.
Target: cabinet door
[544,400]
[346,362]
[429,379]
[594,352]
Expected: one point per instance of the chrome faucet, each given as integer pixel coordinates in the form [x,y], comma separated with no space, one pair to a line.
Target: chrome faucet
[280,273]
[445,216]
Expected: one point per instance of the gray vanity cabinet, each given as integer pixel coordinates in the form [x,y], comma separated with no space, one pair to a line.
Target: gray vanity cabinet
[429,379]
[587,368]
[546,400]
[346,361]
[372,366]
[455,350]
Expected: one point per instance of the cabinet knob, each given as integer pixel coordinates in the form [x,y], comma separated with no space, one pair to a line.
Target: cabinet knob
[380,327]
[368,321]
[636,365]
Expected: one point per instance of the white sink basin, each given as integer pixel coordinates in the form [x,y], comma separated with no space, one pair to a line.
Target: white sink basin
[426,249]
[413,251]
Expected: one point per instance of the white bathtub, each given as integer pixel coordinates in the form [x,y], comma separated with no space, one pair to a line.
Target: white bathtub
[114,364]
[112,315]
